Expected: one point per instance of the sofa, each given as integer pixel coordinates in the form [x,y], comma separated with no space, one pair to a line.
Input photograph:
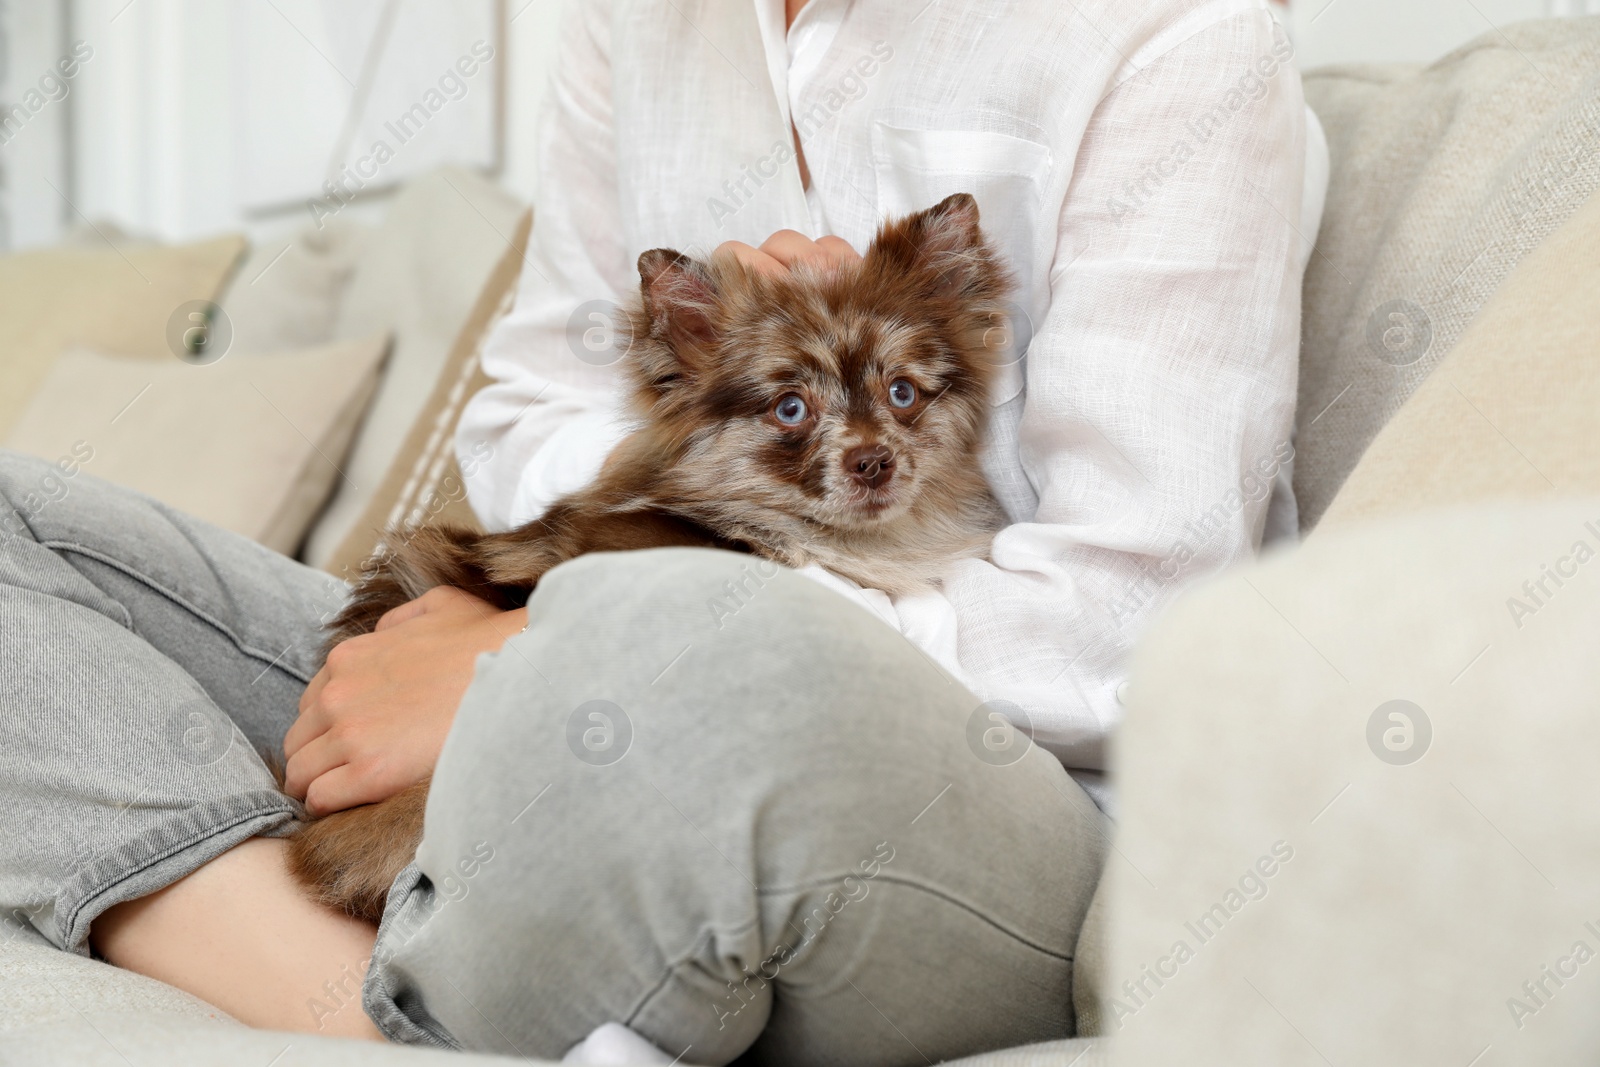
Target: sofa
[1355,819]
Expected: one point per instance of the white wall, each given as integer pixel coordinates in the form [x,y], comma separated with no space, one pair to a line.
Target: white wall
[151,140]
[158,134]
[33,156]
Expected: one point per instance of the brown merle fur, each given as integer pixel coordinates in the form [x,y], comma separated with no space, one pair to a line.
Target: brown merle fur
[713,348]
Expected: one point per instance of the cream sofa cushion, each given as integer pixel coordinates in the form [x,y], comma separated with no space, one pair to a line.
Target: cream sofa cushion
[419,275]
[1442,180]
[116,298]
[253,444]
[1416,897]
[58,1009]
[288,289]
[1515,409]
[424,482]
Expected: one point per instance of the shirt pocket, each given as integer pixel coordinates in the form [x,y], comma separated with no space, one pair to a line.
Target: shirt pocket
[1007,175]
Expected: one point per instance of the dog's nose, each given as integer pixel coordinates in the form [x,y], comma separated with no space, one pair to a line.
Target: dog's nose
[871,465]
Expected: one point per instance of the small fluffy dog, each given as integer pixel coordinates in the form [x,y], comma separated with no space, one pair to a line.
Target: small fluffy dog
[823,416]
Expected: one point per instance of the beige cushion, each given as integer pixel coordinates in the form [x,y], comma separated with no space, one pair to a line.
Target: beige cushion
[1441,181]
[251,443]
[1515,409]
[287,291]
[1420,896]
[58,1009]
[99,235]
[424,482]
[115,298]
[115,1039]
[39,984]
[419,275]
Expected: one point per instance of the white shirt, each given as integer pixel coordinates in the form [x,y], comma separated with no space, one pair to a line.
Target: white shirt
[1142,167]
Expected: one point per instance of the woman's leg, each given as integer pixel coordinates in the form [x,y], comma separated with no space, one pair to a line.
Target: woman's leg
[713,801]
[240,933]
[147,658]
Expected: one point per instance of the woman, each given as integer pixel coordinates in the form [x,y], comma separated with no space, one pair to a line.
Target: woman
[787,832]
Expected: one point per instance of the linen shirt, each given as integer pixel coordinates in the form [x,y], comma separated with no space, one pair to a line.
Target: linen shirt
[1140,165]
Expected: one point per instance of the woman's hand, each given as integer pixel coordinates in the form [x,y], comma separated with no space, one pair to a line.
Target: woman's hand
[787,249]
[374,718]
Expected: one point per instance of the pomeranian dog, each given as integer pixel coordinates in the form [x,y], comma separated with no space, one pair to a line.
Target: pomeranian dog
[830,416]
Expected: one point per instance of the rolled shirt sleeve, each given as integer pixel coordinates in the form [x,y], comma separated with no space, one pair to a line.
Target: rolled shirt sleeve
[550,415]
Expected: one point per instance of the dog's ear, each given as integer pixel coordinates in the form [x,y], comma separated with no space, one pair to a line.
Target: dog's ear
[944,243]
[948,227]
[679,298]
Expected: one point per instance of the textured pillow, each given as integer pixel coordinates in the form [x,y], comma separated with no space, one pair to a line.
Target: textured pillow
[117,298]
[1442,180]
[1515,410]
[418,275]
[1353,887]
[287,291]
[250,443]
[424,482]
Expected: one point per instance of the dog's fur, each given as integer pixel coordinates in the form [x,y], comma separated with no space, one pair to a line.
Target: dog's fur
[713,349]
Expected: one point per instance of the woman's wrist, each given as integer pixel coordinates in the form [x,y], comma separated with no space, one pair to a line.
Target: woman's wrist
[511,623]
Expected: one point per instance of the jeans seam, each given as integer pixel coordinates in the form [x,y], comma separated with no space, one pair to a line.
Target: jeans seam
[272,661]
[933,891]
[692,954]
[125,618]
[377,996]
[263,808]
[689,956]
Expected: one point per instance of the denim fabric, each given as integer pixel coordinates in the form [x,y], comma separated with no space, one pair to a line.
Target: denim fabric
[713,800]
[148,659]
[701,796]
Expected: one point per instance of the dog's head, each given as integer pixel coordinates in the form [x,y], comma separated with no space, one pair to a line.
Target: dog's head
[838,396]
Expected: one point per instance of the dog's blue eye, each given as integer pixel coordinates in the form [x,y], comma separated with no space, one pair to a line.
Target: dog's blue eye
[902,394]
[791,410]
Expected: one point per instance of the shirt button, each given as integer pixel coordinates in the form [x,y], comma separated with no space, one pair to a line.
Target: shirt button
[1122,695]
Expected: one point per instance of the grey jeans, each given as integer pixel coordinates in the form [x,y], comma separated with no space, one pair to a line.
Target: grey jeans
[701,796]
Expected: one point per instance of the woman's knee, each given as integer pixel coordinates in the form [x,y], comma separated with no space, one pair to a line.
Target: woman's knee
[656,595]
[627,681]
[29,486]
[648,761]
[711,654]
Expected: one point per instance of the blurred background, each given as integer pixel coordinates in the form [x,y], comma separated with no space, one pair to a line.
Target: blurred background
[250,252]
[191,117]
[334,194]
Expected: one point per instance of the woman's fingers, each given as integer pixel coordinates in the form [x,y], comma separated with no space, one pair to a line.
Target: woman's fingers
[314,759]
[311,723]
[787,249]
[792,248]
[752,258]
[838,250]
[340,788]
[377,713]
